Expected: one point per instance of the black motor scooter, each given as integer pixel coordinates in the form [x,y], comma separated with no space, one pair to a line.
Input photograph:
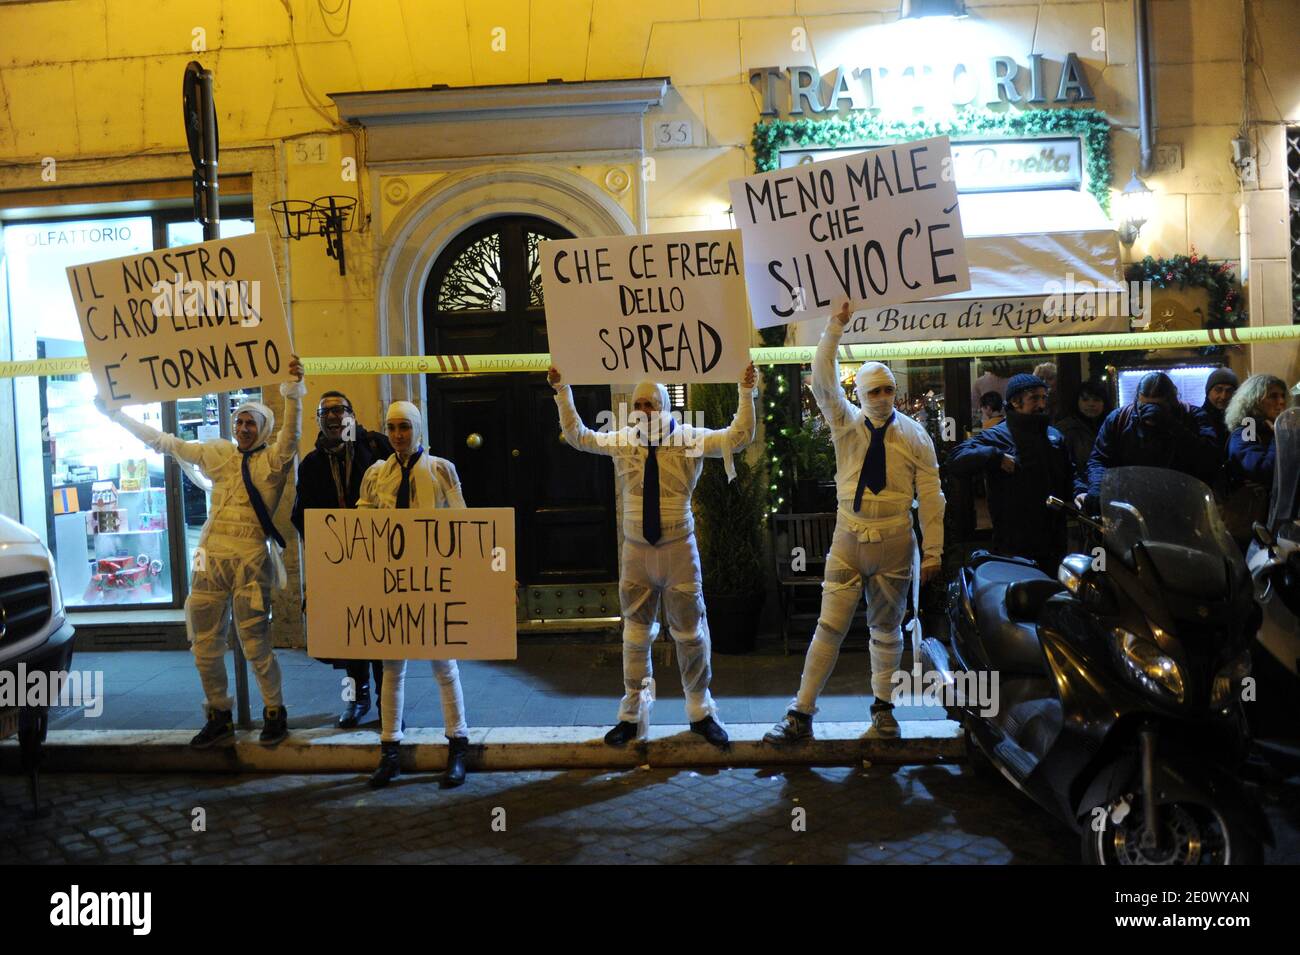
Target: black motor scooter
[1116,687]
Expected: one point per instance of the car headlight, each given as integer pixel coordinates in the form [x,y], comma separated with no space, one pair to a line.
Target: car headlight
[1228,679]
[1150,667]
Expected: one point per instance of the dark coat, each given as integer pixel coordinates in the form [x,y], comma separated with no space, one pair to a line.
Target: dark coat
[1023,525]
[1251,460]
[1187,443]
[1215,417]
[316,484]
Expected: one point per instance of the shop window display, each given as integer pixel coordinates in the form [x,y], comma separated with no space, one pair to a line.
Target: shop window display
[97,497]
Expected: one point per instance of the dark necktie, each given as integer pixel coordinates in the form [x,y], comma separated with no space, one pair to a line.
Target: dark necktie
[255,498]
[650,528]
[404,488]
[873,464]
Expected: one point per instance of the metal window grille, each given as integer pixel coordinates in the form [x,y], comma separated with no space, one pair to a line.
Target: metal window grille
[1293,197]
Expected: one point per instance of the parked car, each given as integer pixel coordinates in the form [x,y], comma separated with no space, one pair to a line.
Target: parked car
[35,635]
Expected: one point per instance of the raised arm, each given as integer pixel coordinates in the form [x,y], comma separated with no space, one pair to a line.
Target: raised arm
[723,442]
[577,434]
[826,389]
[191,452]
[286,442]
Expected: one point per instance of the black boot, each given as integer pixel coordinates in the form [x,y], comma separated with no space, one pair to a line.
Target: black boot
[457,750]
[389,765]
[356,709]
[622,734]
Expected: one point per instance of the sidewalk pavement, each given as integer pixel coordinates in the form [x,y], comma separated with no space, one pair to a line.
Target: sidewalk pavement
[547,709]
[549,685]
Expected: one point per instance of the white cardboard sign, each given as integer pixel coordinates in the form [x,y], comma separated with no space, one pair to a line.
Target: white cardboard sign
[669,307]
[877,228]
[427,584]
[183,322]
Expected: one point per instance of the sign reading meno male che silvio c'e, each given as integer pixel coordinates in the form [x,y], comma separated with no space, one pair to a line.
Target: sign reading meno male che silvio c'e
[428,584]
[669,307]
[875,228]
[181,322]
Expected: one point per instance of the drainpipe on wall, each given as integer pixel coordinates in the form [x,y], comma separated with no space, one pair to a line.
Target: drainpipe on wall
[1145,124]
[1243,234]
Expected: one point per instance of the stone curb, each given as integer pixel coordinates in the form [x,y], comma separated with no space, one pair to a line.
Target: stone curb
[493,748]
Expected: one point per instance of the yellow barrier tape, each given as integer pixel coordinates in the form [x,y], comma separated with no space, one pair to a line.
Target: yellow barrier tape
[893,351]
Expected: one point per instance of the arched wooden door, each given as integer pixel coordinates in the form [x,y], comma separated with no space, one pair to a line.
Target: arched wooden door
[484,296]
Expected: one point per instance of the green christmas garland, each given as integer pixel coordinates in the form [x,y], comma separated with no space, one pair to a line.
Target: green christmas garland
[1091,125]
[1227,305]
[779,425]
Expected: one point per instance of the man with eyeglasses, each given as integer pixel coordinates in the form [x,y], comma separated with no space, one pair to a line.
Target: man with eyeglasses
[330,477]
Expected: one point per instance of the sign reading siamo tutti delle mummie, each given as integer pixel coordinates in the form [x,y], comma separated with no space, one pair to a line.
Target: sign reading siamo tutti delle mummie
[181,322]
[876,228]
[435,584]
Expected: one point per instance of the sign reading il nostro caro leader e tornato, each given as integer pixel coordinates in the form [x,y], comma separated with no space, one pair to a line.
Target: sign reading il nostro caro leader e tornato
[176,323]
[876,228]
[669,307]
[429,584]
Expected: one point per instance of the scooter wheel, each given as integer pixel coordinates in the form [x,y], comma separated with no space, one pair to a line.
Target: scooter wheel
[1190,834]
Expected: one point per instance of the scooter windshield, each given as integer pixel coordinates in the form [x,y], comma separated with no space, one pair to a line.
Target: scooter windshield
[1162,506]
[1286,473]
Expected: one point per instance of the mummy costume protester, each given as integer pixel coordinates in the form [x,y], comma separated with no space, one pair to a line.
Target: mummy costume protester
[237,560]
[413,478]
[658,461]
[883,460]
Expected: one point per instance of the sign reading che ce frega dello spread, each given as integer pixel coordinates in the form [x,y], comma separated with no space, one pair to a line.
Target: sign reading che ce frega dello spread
[181,322]
[875,228]
[669,307]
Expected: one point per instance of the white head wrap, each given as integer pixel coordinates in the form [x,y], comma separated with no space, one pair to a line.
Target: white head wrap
[656,392]
[265,417]
[872,374]
[405,411]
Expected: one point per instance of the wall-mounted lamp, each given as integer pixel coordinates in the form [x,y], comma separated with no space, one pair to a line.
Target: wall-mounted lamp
[915,9]
[329,216]
[1135,209]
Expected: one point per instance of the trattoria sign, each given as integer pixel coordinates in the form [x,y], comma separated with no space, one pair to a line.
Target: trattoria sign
[800,90]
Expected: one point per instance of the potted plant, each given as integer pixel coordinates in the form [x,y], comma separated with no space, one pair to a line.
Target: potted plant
[813,455]
[729,520]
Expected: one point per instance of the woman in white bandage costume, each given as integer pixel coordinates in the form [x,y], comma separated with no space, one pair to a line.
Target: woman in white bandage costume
[413,478]
[659,559]
[883,461]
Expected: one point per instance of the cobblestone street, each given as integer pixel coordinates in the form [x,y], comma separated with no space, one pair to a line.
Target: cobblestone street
[916,814]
